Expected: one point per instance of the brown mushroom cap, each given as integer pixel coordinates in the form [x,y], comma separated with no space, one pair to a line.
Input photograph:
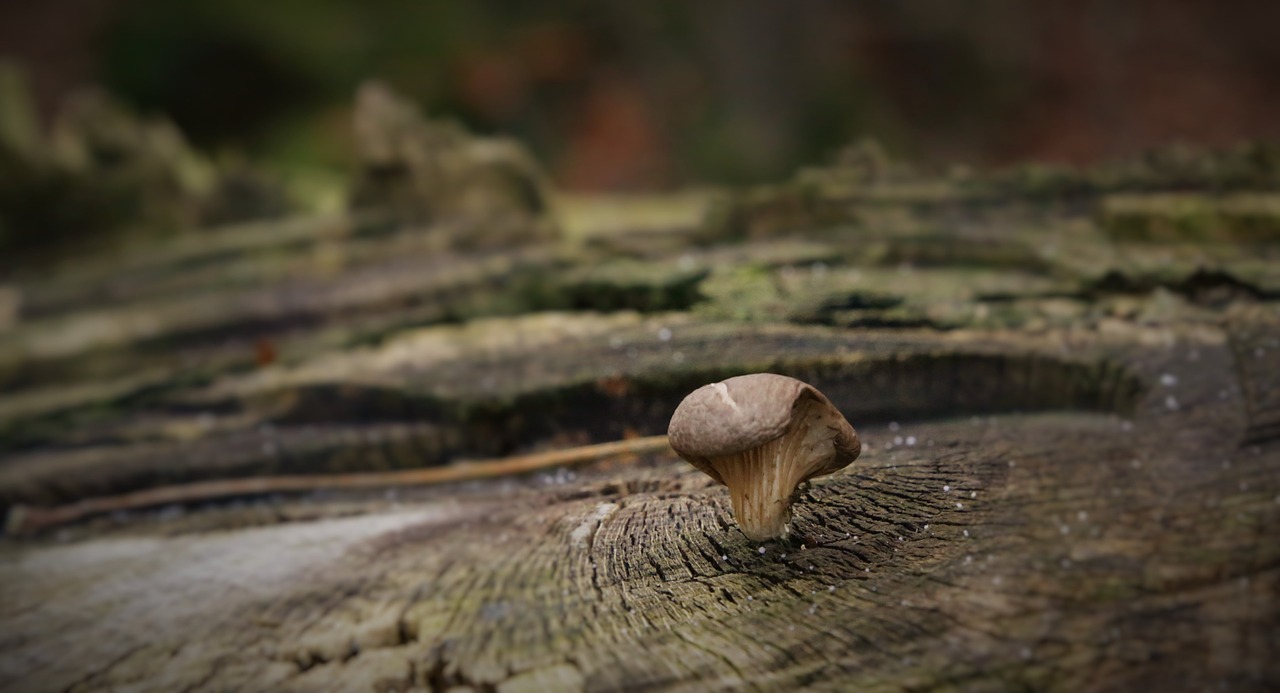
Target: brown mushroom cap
[762,435]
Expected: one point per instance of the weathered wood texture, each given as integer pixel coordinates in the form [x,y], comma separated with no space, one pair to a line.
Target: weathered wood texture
[1071,477]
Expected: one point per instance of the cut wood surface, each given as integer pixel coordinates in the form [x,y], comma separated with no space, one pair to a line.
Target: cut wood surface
[1070,479]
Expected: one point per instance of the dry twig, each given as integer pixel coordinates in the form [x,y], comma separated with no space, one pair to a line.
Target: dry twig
[31,519]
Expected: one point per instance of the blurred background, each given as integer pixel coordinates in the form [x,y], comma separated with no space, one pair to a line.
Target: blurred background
[614,95]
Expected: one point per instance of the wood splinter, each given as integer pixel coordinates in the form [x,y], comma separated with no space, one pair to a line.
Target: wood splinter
[26,520]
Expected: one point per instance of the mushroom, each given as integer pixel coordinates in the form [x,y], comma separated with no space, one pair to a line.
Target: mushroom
[762,435]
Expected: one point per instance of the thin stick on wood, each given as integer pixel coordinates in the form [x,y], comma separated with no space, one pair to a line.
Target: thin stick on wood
[31,519]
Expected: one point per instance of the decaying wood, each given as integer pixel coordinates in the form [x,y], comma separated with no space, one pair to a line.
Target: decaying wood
[1070,479]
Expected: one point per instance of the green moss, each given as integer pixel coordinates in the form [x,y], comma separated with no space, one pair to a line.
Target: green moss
[1252,166]
[627,285]
[1248,218]
[773,211]
[1158,217]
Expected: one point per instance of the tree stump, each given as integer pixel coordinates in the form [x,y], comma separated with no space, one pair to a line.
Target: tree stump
[1071,473]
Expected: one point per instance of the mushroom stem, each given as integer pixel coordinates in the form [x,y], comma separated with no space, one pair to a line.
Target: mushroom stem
[763,480]
[761,489]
